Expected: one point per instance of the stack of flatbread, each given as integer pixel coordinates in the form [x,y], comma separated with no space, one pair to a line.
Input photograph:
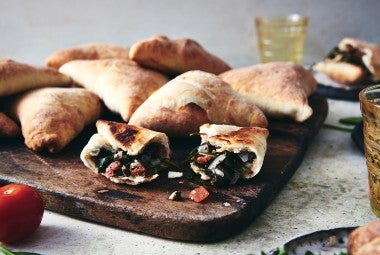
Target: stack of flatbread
[16,77]
[159,88]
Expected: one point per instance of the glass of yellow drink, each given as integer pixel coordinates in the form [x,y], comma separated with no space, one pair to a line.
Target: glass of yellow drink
[370,108]
[281,37]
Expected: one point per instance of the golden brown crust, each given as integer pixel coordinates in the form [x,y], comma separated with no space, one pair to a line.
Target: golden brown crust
[131,138]
[279,88]
[8,128]
[175,56]
[86,51]
[344,73]
[122,84]
[17,77]
[185,120]
[51,117]
[243,136]
[193,98]
[365,240]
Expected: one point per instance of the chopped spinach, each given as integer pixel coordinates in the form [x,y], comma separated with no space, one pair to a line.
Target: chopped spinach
[149,159]
[226,172]
[352,56]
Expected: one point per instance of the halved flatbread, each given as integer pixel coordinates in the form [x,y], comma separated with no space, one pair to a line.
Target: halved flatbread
[86,51]
[194,98]
[8,128]
[52,117]
[122,84]
[351,63]
[370,53]
[17,77]
[229,152]
[342,72]
[175,56]
[125,153]
[278,88]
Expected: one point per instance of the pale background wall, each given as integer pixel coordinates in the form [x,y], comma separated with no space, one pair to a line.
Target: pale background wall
[30,30]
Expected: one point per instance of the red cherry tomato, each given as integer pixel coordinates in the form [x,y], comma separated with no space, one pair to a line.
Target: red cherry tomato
[198,194]
[21,211]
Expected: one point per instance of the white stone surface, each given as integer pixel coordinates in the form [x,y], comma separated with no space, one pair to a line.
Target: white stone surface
[328,190]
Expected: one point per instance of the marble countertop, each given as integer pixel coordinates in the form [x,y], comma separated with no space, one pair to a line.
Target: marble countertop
[328,190]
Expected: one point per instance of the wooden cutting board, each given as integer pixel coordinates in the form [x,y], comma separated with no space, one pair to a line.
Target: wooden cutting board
[68,187]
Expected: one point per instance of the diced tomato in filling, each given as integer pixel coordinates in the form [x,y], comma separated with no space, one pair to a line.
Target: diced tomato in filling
[199,194]
[138,171]
[112,168]
[204,159]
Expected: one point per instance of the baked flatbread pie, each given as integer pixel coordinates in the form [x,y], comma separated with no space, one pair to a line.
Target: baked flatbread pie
[194,98]
[280,89]
[8,128]
[52,117]
[352,61]
[126,154]
[341,72]
[175,56]
[228,152]
[365,239]
[122,84]
[17,77]
[86,51]
[370,53]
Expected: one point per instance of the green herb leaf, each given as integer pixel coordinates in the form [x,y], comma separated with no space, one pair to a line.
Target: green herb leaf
[281,251]
[4,251]
[344,129]
[350,120]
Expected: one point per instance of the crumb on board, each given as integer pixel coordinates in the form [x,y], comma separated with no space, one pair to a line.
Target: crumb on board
[175,196]
[174,174]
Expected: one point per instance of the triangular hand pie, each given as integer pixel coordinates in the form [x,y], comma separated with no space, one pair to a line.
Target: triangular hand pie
[51,117]
[352,62]
[126,154]
[369,52]
[86,51]
[17,77]
[175,56]
[228,152]
[122,84]
[342,72]
[182,105]
[278,88]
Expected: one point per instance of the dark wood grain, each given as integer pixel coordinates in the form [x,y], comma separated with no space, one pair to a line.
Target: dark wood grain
[68,187]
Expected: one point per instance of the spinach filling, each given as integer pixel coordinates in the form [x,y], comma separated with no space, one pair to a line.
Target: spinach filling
[118,163]
[223,168]
[353,57]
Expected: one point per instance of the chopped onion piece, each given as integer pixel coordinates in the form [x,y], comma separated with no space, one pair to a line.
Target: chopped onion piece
[203,148]
[135,164]
[219,172]
[246,156]
[118,155]
[173,174]
[217,161]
